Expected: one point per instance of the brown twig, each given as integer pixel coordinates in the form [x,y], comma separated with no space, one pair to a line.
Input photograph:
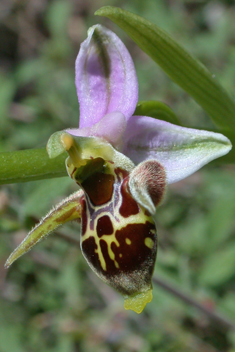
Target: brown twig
[215,317]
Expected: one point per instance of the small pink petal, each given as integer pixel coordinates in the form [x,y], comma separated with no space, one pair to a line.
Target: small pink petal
[147,184]
[111,128]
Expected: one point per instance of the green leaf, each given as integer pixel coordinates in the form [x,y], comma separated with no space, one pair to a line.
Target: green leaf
[183,69]
[10,337]
[29,165]
[69,209]
[220,217]
[43,194]
[57,18]
[7,91]
[219,267]
[158,110]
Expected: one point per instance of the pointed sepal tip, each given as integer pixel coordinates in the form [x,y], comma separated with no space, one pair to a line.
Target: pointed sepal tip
[139,301]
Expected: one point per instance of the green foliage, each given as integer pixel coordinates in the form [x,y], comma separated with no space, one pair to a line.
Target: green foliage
[157,110]
[41,194]
[219,266]
[7,90]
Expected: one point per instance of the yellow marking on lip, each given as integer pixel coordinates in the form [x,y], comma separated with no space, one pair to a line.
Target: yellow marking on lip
[148,242]
[116,264]
[128,241]
[101,258]
[109,239]
[140,218]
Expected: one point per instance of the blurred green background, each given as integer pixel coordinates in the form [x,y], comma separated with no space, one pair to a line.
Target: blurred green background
[49,299]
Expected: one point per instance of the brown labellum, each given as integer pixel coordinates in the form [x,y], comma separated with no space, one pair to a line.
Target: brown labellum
[119,240]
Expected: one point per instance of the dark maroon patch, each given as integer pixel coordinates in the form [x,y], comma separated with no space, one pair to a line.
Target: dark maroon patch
[133,254]
[135,260]
[88,248]
[120,172]
[129,206]
[147,213]
[110,266]
[74,170]
[99,187]
[84,215]
[104,226]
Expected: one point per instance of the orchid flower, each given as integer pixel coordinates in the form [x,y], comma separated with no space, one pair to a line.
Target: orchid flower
[122,165]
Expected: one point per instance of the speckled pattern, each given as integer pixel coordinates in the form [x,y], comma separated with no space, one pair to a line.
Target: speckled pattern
[118,239]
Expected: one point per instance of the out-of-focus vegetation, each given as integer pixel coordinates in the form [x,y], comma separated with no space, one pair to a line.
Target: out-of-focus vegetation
[49,299]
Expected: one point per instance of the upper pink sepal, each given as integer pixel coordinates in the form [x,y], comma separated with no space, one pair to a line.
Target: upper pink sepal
[105,77]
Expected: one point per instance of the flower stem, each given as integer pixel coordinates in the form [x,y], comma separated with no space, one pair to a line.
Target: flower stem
[30,165]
